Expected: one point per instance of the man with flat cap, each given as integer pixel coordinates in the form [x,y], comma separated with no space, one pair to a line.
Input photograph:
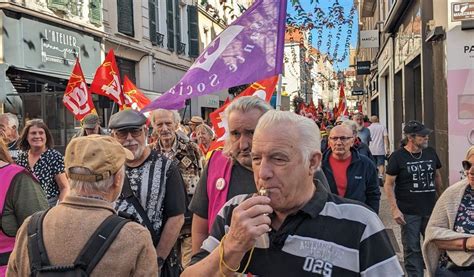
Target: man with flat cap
[95,169]
[154,190]
[90,125]
[412,182]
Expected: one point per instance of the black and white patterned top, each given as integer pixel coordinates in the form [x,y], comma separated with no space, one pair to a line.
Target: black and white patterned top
[50,164]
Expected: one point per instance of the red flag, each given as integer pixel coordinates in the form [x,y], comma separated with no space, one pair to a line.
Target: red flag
[107,80]
[133,98]
[77,97]
[342,107]
[263,89]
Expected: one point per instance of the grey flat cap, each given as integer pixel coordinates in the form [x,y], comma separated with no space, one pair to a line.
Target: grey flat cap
[126,119]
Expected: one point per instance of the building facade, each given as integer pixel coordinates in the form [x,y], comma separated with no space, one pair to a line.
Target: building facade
[38,48]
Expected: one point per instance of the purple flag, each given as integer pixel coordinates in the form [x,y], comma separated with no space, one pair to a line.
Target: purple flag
[248,50]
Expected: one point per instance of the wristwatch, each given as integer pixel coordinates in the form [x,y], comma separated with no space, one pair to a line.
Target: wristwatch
[161,261]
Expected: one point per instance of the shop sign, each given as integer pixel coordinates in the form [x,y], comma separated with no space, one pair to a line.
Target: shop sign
[49,49]
[363,68]
[369,39]
[461,11]
[358,87]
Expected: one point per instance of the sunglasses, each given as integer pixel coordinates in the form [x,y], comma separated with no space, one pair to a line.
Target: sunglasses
[123,134]
[466,165]
[343,139]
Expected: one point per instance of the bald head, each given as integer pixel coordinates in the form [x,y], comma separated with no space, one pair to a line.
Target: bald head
[340,141]
[374,119]
[341,130]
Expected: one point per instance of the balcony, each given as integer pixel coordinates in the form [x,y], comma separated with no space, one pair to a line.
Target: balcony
[181,48]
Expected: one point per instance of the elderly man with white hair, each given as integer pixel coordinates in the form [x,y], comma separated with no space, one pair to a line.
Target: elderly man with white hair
[82,235]
[293,227]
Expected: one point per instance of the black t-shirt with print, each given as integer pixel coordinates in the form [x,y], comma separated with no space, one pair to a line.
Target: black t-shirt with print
[415,188]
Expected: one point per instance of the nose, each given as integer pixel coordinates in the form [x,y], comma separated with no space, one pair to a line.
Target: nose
[265,171]
[244,143]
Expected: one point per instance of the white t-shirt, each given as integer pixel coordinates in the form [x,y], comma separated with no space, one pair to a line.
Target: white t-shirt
[377,133]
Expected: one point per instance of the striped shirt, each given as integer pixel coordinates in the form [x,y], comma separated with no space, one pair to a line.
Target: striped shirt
[329,236]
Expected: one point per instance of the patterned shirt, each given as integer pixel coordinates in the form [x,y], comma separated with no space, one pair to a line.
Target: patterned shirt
[160,189]
[50,164]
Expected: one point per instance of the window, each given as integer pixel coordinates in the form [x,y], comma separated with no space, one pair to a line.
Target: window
[95,12]
[193,31]
[126,67]
[125,17]
[153,12]
[173,22]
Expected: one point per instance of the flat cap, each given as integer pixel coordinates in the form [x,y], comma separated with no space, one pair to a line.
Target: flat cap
[126,119]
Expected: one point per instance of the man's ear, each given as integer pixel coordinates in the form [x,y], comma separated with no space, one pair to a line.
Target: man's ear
[315,161]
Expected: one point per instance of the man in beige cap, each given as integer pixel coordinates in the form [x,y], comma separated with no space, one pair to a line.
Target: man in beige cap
[90,125]
[193,123]
[95,169]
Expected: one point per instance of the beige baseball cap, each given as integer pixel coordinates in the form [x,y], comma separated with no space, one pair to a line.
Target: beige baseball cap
[102,155]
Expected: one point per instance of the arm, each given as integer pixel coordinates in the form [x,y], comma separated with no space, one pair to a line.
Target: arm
[169,235]
[438,183]
[249,221]
[372,193]
[455,244]
[387,144]
[198,232]
[63,185]
[389,191]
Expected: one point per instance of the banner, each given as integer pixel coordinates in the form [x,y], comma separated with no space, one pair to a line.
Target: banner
[107,80]
[263,89]
[77,97]
[133,98]
[248,50]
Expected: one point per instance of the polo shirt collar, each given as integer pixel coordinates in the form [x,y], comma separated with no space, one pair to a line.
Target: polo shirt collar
[316,204]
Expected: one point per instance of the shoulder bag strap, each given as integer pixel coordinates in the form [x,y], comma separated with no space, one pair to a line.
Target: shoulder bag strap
[36,250]
[130,197]
[99,242]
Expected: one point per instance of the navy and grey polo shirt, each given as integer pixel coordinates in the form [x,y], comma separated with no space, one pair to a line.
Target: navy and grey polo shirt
[329,236]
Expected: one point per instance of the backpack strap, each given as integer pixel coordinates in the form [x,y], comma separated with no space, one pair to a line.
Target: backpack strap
[36,249]
[99,242]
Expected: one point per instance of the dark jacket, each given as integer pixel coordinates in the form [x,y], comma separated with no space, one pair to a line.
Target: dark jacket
[361,178]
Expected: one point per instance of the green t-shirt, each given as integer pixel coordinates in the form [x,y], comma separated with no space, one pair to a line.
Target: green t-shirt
[24,197]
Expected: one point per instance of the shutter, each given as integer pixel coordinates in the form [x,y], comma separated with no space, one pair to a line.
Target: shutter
[58,5]
[193,31]
[95,12]
[153,21]
[169,23]
[177,12]
[125,17]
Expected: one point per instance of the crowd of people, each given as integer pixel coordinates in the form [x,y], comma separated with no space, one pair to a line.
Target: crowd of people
[285,196]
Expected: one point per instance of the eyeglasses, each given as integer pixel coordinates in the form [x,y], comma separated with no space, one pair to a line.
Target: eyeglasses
[343,139]
[123,134]
[466,165]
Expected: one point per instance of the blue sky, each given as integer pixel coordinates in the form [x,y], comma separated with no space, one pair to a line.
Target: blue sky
[324,5]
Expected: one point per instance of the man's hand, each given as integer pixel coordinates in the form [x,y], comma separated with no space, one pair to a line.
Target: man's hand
[250,220]
[398,216]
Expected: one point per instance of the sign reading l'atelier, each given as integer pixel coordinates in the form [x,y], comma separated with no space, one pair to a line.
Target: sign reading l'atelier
[58,47]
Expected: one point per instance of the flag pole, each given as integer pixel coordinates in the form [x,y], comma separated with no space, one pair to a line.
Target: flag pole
[278,98]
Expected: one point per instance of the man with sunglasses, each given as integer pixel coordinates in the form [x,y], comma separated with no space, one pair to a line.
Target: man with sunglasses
[412,182]
[153,189]
[350,174]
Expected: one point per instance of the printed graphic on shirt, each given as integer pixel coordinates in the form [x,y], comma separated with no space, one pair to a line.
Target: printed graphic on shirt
[423,175]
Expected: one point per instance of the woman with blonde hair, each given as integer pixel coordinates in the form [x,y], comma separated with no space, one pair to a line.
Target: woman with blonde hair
[448,249]
[20,197]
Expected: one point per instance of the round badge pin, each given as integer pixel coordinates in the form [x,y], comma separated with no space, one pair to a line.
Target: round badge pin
[220,184]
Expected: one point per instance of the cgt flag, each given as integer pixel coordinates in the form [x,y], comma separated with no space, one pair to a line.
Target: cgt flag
[263,89]
[133,98]
[107,80]
[77,97]
[248,50]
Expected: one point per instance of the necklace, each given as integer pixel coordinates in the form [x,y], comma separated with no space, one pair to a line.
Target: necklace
[419,157]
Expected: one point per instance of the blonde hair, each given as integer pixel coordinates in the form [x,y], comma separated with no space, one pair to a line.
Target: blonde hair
[470,152]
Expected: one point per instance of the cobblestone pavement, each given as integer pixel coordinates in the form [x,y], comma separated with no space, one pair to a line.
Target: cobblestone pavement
[393,228]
